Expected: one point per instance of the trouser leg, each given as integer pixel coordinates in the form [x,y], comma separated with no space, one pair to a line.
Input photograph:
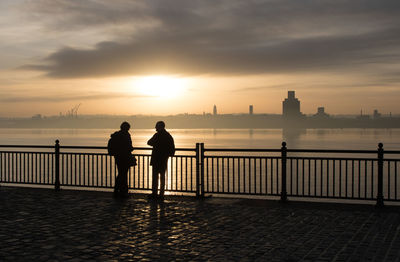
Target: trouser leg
[154,187]
[124,180]
[162,182]
[116,185]
[121,181]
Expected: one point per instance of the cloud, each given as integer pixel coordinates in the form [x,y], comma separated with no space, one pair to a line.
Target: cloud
[221,37]
[62,98]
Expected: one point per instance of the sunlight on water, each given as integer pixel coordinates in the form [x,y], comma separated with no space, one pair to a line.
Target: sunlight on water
[219,138]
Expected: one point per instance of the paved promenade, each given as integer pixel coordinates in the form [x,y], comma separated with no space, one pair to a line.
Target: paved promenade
[44,225]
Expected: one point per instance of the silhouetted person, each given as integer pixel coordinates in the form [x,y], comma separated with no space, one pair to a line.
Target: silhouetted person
[121,147]
[163,147]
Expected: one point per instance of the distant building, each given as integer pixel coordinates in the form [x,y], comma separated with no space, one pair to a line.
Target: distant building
[250,109]
[37,116]
[291,106]
[377,114]
[362,116]
[215,110]
[321,113]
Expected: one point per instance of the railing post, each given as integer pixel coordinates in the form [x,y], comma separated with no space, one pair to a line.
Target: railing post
[283,175]
[379,198]
[197,169]
[202,169]
[1,168]
[57,165]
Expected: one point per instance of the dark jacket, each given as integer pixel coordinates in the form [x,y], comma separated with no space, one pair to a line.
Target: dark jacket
[163,147]
[123,143]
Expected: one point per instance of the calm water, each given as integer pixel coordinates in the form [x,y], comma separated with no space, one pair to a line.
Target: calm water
[218,138]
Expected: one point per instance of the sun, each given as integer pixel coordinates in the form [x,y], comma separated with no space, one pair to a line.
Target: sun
[161,86]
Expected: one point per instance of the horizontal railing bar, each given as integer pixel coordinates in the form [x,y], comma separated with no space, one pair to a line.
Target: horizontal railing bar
[213,156]
[26,146]
[333,158]
[299,150]
[391,152]
[86,186]
[188,156]
[218,149]
[240,193]
[332,197]
[29,152]
[239,150]
[87,147]
[134,148]
[219,156]
[299,158]
[84,147]
[245,157]
[83,153]
[328,151]
[27,183]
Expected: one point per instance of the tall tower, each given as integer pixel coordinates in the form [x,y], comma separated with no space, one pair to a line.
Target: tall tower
[215,110]
[291,106]
[250,109]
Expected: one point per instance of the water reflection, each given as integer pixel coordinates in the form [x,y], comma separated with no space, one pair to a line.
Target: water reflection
[292,136]
[217,138]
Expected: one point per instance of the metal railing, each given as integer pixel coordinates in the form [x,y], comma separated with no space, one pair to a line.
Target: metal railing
[311,173]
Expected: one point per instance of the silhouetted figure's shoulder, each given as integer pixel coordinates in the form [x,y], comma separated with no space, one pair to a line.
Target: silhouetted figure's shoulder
[162,143]
[123,141]
[160,138]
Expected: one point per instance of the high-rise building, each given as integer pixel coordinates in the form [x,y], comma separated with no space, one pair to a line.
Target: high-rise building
[215,110]
[291,106]
[250,109]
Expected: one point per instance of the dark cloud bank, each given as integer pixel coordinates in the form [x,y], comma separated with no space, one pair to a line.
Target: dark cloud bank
[62,98]
[225,37]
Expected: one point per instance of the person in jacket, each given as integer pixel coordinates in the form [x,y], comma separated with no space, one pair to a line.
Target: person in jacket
[122,144]
[163,147]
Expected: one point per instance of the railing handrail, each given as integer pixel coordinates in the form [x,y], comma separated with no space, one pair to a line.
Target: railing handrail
[270,150]
[26,146]
[85,147]
[346,151]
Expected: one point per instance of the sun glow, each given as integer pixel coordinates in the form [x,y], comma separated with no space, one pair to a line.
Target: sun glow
[161,86]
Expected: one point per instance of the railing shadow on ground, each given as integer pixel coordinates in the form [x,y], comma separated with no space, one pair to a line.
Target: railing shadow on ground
[296,173]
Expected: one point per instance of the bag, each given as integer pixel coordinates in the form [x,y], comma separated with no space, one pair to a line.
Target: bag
[171,147]
[172,151]
[112,147]
[132,161]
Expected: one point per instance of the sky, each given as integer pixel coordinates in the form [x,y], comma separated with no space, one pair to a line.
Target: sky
[168,57]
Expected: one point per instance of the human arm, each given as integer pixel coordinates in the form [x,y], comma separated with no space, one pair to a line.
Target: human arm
[171,146]
[152,140]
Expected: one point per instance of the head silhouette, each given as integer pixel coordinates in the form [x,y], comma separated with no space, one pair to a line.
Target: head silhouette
[125,126]
[160,125]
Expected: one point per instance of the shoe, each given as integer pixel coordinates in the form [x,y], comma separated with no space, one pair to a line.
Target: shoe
[161,198]
[115,194]
[152,196]
[124,194]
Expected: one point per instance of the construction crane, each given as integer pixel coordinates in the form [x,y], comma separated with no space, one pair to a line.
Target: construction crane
[73,112]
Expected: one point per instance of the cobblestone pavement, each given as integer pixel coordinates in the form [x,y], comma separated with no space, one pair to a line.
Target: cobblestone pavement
[44,225]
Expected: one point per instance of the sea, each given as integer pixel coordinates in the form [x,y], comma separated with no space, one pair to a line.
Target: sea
[347,138]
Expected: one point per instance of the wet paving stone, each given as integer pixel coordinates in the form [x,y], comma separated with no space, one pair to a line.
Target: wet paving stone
[43,225]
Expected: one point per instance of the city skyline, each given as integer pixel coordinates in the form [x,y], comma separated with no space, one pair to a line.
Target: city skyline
[291,109]
[153,57]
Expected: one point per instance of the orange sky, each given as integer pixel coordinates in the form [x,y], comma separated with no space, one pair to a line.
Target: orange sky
[135,57]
